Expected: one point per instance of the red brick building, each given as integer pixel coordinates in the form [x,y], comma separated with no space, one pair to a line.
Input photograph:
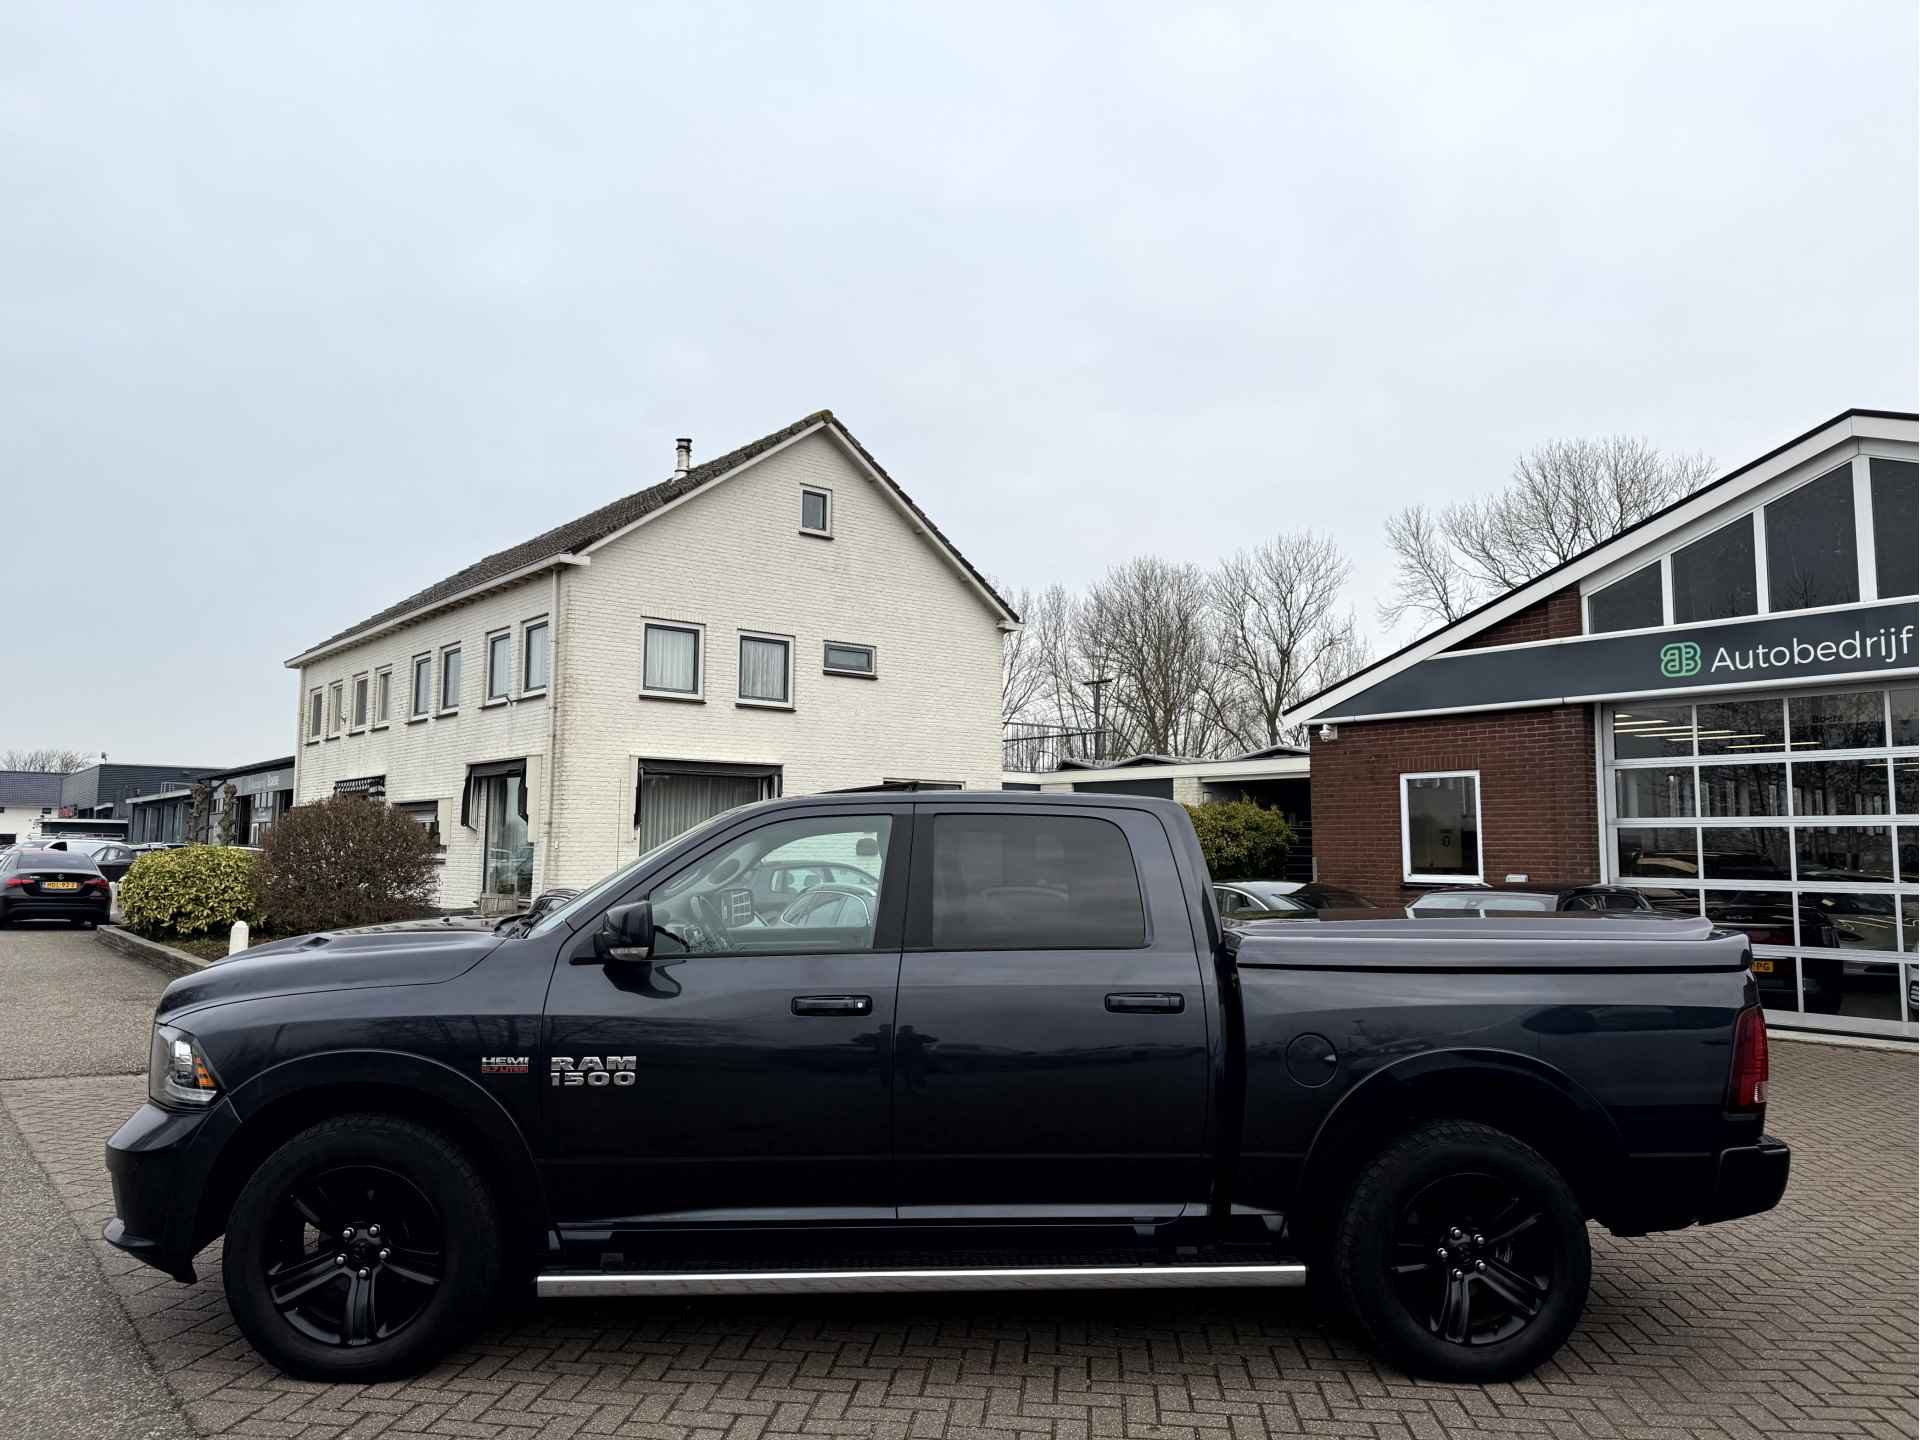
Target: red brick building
[1716,708]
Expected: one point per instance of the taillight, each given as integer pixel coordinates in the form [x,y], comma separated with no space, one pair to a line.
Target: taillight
[17,881]
[1747,1090]
[100,882]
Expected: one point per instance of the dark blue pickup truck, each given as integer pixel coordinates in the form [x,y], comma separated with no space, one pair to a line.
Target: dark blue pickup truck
[942,1041]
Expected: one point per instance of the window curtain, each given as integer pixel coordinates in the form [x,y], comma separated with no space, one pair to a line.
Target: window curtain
[673,804]
[763,669]
[671,657]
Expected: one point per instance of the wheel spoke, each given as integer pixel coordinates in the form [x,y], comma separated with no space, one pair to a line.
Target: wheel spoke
[1523,1296]
[1514,1227]
[288,1283]
[1456,1306]
[316,1206]
[420,1266]
[357,1326]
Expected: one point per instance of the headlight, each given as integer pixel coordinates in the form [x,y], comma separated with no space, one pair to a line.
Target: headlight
[177,1071]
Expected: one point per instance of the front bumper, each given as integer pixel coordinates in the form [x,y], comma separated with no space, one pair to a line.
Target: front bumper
[161,1161]
[1750,1179]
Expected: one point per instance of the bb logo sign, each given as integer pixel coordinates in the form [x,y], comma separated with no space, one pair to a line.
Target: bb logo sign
[1680,660]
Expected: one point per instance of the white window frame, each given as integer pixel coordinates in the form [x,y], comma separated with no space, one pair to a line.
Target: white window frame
[336,708]
[1479,830]
[353,702]
[527,627]
[504,694]
[441,707]
[825,532]
[414,712]
[316,713]
[872,672]
[738,678]
[380,716]
[699,632]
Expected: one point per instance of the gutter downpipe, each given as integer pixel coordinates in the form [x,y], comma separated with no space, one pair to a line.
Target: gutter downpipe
[553,726]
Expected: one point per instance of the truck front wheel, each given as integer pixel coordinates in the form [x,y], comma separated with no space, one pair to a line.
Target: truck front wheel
[1462,1253]
[365,1247]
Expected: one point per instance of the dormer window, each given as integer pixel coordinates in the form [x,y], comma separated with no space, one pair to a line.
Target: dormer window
[816,511]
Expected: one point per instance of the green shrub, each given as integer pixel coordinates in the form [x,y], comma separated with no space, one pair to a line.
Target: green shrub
[341,862]
[1242,840]
[194,891]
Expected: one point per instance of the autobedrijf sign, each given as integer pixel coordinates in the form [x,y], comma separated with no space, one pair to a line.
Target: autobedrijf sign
[1861,640]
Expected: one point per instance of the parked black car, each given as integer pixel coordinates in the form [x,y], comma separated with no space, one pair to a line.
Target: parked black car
[1489,900]
[1034,1059]
[52,885]
[1273,899]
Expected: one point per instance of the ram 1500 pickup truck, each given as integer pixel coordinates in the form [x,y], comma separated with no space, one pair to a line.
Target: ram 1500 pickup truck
[942,1041]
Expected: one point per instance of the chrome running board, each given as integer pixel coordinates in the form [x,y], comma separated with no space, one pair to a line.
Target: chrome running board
[561,1284]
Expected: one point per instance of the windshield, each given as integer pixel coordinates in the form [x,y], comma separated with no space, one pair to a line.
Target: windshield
[598,894]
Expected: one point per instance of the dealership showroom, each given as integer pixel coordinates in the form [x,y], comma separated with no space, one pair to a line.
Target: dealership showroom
[1717,708]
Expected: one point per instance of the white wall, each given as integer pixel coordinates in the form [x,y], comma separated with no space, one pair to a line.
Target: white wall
[428,759]
[732,558]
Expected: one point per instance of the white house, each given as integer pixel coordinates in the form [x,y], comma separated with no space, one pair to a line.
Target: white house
[780,620]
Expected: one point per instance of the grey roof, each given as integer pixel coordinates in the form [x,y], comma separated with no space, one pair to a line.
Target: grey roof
[597,525]
[285,762]
[29,787]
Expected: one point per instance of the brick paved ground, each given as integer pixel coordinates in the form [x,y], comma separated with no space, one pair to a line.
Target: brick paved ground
[1800,1322]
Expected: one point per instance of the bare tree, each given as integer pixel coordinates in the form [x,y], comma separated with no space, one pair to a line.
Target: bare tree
[1145,626]
[45,761]
[1280,633]
[1027,668]
[1564,498]
[1429,583]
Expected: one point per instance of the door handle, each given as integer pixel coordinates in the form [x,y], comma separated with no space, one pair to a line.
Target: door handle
[1155,1003]
[833,1004]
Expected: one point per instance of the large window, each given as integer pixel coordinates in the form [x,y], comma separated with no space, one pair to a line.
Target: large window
[812,884]
[500,665]
[1440,826]
[1713,578]
[675,796]
[1793,818]
[507,867]
[766,670]
[1896,526]
[1632,603]
[670,664]
[1033,882]
[1811,554]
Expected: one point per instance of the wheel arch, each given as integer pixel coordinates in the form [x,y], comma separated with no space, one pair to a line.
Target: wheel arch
[1516,1093]
[284,1100]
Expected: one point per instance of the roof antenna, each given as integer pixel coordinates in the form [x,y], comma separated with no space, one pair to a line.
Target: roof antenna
[682,457]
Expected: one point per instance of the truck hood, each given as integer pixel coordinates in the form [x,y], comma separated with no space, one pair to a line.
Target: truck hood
[416,952]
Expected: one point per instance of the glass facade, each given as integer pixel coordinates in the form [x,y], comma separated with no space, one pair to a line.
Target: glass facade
[1791,817]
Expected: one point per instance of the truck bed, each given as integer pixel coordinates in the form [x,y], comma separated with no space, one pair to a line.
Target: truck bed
[1570,943]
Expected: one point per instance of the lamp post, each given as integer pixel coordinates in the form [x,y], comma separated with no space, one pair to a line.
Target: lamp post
[1098,686]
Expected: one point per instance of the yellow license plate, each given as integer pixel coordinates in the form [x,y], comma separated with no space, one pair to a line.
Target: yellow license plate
[59,884]
[1763,967]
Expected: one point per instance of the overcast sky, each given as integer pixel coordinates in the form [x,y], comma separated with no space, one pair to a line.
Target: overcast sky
[304,307]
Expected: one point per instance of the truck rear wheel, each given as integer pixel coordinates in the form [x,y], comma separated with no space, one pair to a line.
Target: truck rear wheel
[1462,1254]
[365,1248]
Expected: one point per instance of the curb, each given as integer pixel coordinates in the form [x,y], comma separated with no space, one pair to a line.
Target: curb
[161,957]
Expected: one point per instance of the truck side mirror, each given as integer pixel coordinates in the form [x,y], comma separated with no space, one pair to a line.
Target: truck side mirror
[626,928]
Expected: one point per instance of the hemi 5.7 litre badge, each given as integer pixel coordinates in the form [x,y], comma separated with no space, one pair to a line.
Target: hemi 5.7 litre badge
[592,1070]
[503,1064]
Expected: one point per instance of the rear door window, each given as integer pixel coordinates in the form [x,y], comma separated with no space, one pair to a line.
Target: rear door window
[1033,882]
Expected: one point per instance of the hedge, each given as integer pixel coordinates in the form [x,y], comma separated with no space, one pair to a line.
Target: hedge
[199,890]
[1242,840]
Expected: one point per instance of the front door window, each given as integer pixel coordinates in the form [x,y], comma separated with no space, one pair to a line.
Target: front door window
[509,851]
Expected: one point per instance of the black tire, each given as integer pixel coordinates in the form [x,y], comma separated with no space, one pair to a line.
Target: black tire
[421,1268]
[1514,1280]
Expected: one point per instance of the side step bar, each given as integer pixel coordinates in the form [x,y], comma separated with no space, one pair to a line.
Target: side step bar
[557,1284]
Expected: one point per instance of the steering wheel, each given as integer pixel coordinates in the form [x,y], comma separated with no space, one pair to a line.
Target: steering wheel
[711,921]
[810,900]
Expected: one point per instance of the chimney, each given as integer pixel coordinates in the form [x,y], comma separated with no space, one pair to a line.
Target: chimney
[682,457]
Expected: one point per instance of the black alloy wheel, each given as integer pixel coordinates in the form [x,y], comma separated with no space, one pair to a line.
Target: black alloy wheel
[1473,1259]
[363,1248]
[357,1256]
[1462,1254]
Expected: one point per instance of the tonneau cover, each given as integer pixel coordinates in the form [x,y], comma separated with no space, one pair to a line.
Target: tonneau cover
[1391,940]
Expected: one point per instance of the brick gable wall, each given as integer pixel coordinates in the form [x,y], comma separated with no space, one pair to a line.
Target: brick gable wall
[1554,618]
[1537,803]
